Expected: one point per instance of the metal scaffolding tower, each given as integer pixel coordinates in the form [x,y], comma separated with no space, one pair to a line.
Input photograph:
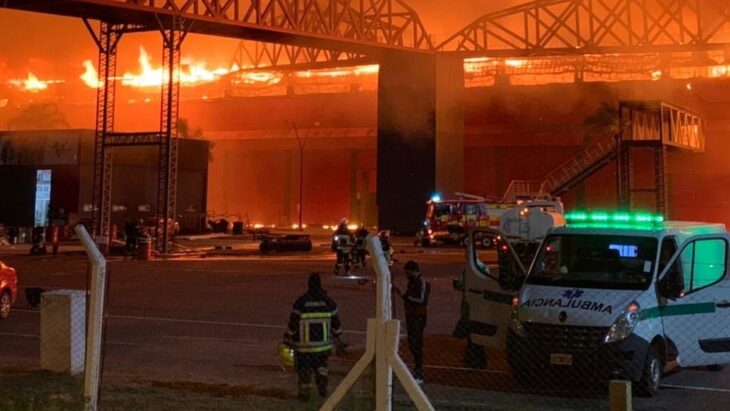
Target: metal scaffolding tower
[167,177]
[106,41]
[654,126]
[106,139]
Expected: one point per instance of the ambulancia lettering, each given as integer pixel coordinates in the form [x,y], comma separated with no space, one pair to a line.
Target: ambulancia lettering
[569,303]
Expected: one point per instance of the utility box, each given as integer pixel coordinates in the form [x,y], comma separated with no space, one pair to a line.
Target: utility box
[63,331]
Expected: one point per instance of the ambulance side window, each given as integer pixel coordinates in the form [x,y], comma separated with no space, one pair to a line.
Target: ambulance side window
[701,263]
[485,260]
[708,266]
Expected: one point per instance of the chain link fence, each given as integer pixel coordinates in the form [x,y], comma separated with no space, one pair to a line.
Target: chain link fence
[205,331]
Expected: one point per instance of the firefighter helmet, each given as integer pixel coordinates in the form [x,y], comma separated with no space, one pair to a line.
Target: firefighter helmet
[286,357]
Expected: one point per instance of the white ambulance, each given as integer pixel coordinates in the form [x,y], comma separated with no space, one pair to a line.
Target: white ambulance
[609,295]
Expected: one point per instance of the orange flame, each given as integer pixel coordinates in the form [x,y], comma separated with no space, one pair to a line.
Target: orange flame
[147,77]
[515,63]
[191,73]
[33,84]
[90,76]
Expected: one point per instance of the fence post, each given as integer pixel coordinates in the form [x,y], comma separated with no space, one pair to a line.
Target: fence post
[94,319]
[383,333]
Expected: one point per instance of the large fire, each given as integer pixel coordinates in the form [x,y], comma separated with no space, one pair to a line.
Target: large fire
[191,73]
[90,76]
[479,71]
[33,84]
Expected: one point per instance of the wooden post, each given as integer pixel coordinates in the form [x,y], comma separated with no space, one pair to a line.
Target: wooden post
[619,395]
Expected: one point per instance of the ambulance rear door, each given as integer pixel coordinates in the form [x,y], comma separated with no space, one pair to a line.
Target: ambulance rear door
[492,279]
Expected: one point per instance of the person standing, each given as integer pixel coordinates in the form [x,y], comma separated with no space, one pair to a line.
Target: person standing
[360,251]
[314,329]
[415,304]
[342,243]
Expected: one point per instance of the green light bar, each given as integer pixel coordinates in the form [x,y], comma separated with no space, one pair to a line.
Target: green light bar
[613,218]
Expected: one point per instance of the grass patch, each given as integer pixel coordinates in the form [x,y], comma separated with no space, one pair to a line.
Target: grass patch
[33,391]
[45,391]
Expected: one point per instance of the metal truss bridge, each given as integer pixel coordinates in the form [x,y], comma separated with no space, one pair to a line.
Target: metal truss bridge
[348,25]
[570,27]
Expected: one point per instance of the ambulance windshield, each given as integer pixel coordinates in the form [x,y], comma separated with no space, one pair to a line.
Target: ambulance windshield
[595,261]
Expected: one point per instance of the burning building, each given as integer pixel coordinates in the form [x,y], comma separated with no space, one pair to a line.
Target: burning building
[524,114]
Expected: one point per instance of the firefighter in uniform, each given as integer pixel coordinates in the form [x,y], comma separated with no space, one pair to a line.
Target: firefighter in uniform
[342,246]
[314,330]
[360,252]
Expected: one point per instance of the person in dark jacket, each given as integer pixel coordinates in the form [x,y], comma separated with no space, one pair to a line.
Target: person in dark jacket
[342,243]
[342,228]
[360,251]
[415,303]
[314,329]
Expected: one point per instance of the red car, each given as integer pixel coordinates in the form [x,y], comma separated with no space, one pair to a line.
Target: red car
[8,289]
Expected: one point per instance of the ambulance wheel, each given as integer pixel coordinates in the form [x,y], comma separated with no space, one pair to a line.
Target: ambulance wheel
[716,367]
[648,385]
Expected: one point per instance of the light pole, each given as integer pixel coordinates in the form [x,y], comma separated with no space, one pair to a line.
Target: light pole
[301,142]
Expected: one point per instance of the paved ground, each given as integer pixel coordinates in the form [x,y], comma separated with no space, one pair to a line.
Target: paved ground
[219,318]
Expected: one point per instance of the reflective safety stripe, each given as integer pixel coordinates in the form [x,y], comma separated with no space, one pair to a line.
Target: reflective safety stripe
[316,315]
[679,309]
[321,348]
[307,321]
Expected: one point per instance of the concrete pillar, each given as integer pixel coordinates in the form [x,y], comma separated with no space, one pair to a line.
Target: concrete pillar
[406,146]
[420,135]
[449,125]
[63,331]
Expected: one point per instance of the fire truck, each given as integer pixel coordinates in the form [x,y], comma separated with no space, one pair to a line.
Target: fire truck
[448,221]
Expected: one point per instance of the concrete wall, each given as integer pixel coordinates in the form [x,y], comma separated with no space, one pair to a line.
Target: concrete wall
[70,156]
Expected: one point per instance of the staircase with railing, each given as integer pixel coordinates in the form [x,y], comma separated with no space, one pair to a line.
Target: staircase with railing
[523,189]
[581,166]
[655,125]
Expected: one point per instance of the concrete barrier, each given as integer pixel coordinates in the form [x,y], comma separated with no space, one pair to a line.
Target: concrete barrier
[63,331]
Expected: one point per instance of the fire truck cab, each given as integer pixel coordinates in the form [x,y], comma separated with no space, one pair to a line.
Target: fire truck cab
[449,221]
